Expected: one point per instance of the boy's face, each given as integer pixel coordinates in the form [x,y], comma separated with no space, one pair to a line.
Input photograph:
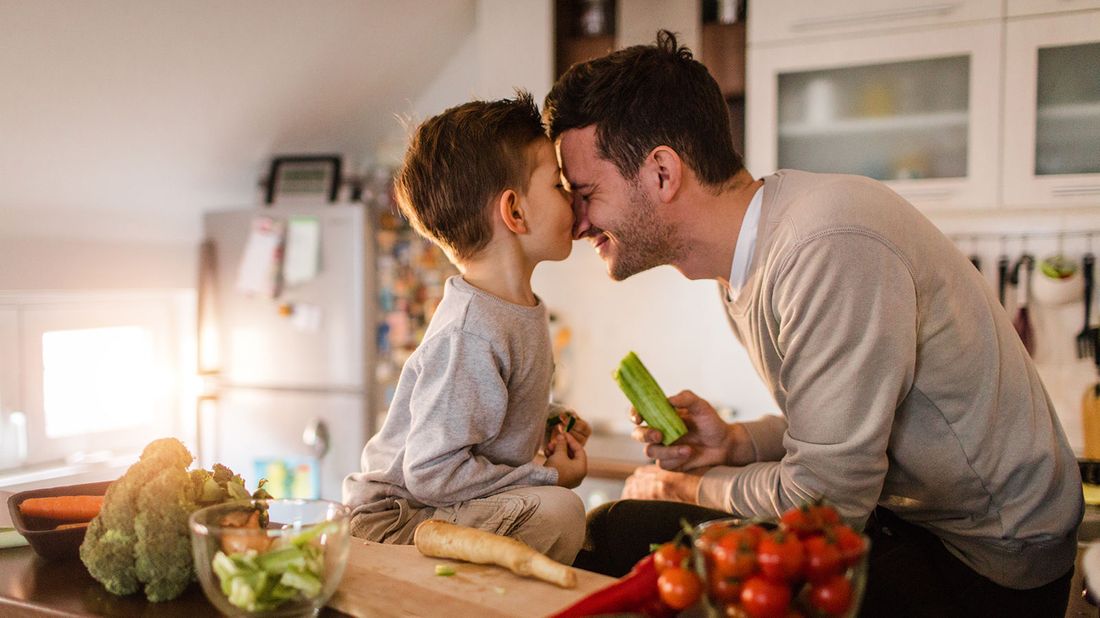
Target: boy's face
[548,210]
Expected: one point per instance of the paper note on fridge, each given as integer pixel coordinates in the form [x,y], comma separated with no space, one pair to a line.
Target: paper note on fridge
[303,250]
[259,270]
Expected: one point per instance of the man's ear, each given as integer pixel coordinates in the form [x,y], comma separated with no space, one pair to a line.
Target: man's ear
[664,171]
[511,212]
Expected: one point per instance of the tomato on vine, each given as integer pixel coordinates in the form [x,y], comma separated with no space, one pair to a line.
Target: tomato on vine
[679,588]
[669,555]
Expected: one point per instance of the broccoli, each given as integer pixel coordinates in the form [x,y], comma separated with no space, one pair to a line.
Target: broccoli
[140,538]
[108,547]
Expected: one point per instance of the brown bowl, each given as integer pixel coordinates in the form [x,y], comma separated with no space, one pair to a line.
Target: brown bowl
[40,532]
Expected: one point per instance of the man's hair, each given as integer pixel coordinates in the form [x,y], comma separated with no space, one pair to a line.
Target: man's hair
[459,162]
[645,96]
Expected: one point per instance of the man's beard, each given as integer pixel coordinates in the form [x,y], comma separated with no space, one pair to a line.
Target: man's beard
[644,240]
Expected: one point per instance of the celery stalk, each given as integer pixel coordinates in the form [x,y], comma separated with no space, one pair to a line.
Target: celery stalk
[648,399]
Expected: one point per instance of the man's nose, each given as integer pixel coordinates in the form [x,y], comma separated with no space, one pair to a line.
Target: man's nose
[580,219]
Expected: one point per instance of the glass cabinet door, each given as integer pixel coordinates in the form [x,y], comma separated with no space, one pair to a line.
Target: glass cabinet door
[1067,125]
[890,121]
[1052,110]
[918,110]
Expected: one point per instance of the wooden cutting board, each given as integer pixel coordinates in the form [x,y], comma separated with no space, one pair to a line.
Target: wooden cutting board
[395,580]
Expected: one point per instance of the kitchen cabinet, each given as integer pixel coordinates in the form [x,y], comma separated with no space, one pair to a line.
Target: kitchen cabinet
[790,20]
[1052,110]
[1017,8]
[920,112]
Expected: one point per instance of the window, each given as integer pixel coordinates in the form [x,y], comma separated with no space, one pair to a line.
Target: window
[95,375]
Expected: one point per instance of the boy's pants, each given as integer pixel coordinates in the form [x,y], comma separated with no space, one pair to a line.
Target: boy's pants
[548,518]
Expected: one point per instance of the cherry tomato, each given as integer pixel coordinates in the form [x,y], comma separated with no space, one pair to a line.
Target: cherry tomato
[733,610]
[825,515]
[733,557]
[679,587]
[833,596]
[723,589]
[751,535]
[670,555]
[780,556]
[710,535]
[763,598]
[797,520]
[822,559]
[849,543]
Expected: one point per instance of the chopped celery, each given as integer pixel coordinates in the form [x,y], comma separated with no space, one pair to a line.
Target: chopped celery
[648,399]
[262,582]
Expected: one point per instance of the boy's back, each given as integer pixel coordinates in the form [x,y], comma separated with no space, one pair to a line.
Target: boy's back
[480,382]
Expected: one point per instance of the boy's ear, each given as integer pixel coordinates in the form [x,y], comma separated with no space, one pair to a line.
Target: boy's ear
[664,172]
[511,212]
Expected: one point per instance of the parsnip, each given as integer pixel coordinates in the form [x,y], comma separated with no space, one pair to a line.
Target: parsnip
[439,539]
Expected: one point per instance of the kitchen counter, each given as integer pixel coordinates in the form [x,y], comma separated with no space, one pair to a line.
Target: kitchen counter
[381,580]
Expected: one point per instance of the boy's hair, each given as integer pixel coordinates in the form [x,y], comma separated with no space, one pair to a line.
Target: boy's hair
[459,162]
[645,96]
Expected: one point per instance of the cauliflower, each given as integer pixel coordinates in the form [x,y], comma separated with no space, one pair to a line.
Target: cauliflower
[140,538]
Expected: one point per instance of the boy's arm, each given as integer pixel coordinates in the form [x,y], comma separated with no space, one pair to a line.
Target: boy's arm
[458,402]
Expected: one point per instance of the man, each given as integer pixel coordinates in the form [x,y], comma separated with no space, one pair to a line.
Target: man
[908,400]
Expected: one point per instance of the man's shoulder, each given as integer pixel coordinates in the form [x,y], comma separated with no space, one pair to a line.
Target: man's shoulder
[807,204]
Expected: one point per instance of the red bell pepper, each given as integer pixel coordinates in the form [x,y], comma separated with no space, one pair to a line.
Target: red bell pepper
[634,592]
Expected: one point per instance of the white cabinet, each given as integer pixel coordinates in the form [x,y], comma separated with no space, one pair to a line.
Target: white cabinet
[785,20]
[1035,7]
[1052,110]
[920,111]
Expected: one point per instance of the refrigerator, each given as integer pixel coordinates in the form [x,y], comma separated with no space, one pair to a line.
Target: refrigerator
[287,358]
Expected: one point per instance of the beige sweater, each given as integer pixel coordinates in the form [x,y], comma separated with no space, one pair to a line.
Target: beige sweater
[902,383]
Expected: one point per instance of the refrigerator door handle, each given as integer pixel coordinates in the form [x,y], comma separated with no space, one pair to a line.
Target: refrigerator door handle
[316,436]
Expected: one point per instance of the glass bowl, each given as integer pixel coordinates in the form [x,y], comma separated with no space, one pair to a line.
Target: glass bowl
[288,567]
[721,594]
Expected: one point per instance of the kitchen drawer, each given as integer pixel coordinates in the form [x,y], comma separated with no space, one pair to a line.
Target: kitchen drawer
[781,20]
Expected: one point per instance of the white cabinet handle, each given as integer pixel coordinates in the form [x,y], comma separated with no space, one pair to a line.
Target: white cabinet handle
[1072,190]
[871,17]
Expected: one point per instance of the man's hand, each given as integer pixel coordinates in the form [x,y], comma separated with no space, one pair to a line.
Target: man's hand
[653,483]
[567,456]
[709,441]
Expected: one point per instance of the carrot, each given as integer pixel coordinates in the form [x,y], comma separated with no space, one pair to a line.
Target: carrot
[63,508]
[75,524]
[439,539]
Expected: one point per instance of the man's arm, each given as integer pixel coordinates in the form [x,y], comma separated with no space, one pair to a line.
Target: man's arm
[846,309]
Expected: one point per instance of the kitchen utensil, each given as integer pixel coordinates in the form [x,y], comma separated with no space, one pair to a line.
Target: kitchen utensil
[306,541]
[1086,341]
[1022,322]
[1057,281]
[1090,407]
[1002,278]
[42,534]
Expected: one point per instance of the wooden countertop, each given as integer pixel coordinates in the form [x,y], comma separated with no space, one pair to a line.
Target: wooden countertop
[380,580]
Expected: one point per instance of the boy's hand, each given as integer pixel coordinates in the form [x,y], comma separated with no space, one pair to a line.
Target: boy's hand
[575,425]
[567,456]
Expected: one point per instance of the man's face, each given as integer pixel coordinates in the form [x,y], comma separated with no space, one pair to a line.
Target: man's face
[619,218]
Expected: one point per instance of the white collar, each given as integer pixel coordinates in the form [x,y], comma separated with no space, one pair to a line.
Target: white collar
[746,243]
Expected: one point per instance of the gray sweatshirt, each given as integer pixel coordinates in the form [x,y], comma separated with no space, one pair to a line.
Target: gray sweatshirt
[470,409]
[901,381]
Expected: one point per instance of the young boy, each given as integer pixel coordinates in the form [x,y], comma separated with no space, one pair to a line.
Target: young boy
[481,180]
